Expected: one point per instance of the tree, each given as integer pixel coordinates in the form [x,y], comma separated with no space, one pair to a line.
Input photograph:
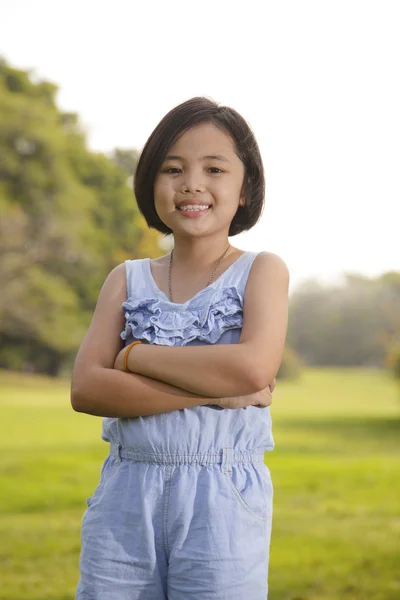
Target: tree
[67,217]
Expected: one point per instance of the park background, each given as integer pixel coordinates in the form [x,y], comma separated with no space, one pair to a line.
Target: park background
[81,87]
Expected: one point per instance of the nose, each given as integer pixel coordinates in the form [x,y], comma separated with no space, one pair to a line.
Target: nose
[192,183]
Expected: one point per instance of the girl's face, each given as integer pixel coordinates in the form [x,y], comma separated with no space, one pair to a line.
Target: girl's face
[201,168]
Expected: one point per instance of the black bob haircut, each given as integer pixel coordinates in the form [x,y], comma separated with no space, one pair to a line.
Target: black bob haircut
[177,121]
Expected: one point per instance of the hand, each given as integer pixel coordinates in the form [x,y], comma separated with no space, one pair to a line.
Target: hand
[260,399]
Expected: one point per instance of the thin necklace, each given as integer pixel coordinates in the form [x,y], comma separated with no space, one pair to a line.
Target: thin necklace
[208,282]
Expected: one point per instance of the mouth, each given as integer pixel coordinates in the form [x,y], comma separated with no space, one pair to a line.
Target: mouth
[193,210]
[193,207]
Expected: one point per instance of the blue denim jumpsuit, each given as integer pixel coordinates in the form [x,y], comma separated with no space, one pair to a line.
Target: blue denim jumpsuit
[183,508]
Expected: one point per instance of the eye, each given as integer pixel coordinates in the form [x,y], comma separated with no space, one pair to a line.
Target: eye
[216,169]
[171,169]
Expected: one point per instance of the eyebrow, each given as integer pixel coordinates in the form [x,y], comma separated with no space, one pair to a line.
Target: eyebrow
[209,157]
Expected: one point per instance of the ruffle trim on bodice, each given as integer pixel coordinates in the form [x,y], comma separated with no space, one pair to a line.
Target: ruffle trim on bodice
[161,322]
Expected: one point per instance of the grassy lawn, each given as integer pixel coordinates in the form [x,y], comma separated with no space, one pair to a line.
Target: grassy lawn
[336,471]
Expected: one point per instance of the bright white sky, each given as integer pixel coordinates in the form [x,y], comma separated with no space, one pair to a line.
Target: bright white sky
[318,81]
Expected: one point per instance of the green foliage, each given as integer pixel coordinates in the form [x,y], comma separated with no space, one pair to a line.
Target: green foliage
[67,218]
[335,470]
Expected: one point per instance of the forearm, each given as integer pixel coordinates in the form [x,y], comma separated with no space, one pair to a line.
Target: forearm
[112,393]
[217,371]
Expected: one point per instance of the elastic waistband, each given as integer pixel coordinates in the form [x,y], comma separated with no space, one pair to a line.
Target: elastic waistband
[225,457]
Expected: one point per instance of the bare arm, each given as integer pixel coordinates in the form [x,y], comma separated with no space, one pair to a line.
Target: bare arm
[230,369]
[100,390]
[115,394]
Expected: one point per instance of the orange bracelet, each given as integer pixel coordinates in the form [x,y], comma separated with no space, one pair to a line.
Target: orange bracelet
[128,349]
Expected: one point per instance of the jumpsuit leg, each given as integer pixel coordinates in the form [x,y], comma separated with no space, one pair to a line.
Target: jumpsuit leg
[123,556]
[219,530]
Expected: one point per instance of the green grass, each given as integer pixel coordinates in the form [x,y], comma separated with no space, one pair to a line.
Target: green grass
[336,473]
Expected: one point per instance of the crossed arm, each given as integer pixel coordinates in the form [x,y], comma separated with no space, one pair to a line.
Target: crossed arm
[168,378]
[229,369]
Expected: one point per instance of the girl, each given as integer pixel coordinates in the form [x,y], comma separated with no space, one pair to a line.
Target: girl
[183,508]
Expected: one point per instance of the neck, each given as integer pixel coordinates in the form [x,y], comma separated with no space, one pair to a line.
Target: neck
[199,253]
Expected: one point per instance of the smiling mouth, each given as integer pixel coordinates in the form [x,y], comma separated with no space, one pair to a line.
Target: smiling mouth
[194,208]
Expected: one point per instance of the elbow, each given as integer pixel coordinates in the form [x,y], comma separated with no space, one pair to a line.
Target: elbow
[257,383]
[76,401]
[78,398]
[254,380]
[82,393]
[261,378]
[249,377]
[255,372]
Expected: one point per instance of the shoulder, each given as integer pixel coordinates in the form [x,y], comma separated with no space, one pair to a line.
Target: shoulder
[267,284]
[117,273]
[115,282]
[268,265]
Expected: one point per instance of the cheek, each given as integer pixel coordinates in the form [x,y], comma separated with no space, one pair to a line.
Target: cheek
[163,198]
[163,188]
[159,193]
[229,191]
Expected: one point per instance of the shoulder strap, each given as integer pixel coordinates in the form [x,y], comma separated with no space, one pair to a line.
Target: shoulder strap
[249,263]
[135,279]
[239,272]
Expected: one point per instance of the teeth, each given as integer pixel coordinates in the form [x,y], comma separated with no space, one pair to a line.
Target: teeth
[193,208]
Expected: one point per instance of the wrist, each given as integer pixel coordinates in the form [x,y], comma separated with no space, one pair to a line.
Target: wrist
[133,359]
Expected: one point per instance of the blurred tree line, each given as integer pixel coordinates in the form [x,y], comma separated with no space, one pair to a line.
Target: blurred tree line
[68,216]
[355,324]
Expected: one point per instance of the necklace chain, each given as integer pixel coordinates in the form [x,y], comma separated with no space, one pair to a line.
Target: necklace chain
[208,282]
